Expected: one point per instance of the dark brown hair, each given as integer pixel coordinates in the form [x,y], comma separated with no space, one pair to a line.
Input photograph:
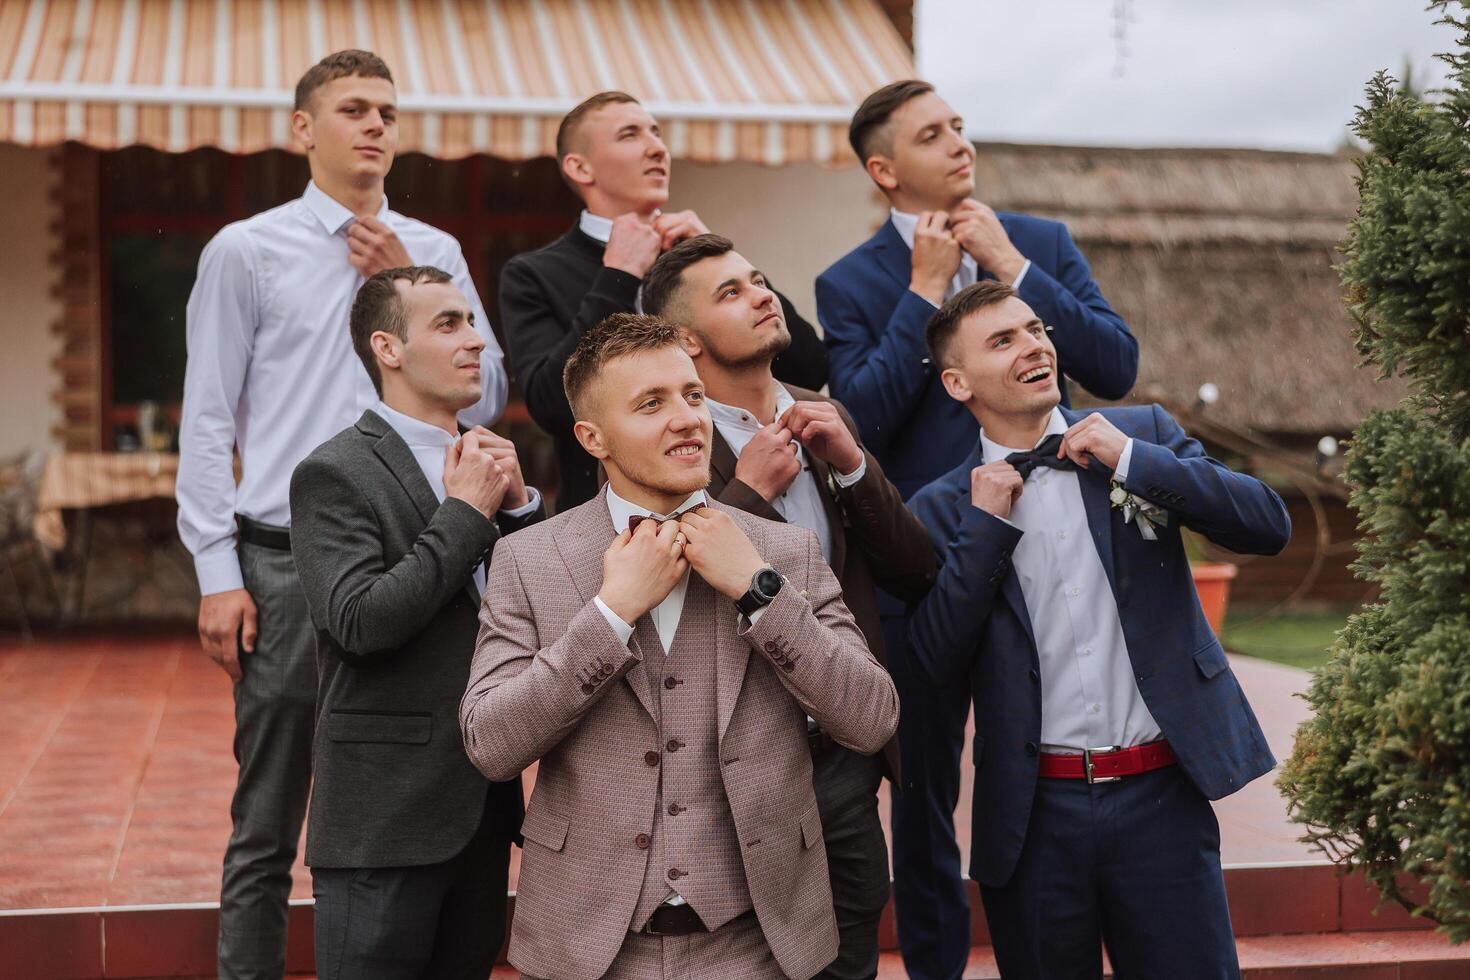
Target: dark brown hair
[379,306]
[566,133]
[339,64]
[667,273]
[867,132]
[618,336]
[939,334]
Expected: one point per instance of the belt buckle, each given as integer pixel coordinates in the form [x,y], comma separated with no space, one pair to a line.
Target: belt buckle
[1087,764]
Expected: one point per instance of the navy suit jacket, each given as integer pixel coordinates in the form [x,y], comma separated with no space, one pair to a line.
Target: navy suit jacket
[974,623]
[879,365]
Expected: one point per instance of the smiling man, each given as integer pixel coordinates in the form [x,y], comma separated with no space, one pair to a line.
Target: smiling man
[392,519]
[873,304]
[271,374]
[659,654]
[613,156]
[788,454]
[1106,715]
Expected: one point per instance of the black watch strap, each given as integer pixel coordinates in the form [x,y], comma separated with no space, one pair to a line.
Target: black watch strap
[765,584]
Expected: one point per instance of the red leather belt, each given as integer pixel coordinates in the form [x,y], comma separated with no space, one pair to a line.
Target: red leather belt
[1107,764]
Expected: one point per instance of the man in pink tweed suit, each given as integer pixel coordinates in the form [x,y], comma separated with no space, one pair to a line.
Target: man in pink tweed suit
[664,671]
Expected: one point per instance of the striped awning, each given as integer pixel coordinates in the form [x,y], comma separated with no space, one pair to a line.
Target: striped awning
[768,81]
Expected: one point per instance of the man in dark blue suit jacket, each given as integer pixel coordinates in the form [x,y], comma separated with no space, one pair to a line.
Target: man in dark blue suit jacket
[873,305]
[1106,714]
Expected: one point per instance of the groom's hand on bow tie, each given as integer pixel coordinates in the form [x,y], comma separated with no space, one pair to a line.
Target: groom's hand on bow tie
[818,427]
[632,245]
[1093,436]
[979,231]
[641,567]
[995,487]
[720,552]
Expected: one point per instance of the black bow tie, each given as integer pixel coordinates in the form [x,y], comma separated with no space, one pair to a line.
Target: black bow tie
[1043,455]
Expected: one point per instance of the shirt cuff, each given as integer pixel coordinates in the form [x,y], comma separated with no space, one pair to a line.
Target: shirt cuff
[1022,275]
[218,571]
[624,631]
[529,507]
[755,617]
[848,479]
[1121,473]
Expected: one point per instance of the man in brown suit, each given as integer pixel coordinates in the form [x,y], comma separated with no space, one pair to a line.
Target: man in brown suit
[788,454]
[662,670]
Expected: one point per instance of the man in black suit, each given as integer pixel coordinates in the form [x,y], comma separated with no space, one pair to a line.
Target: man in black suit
[789,454]
[392,522]
[613,157]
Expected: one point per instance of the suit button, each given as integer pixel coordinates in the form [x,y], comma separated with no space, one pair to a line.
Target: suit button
[675,874]
[1030,748]
[675,809]
[642,840]
[670,683]
[606,670]
[674,745]
[1035,676]
[588,688]
[788,666]
[651,758]
[770,646]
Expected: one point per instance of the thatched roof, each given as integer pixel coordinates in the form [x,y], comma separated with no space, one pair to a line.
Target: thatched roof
[1222,263]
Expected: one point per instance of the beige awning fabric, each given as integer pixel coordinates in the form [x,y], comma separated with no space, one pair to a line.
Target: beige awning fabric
[766,81]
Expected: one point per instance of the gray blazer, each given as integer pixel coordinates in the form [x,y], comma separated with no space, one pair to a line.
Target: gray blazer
[388,576]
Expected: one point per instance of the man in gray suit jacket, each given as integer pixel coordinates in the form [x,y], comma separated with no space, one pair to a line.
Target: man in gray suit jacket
[392,521]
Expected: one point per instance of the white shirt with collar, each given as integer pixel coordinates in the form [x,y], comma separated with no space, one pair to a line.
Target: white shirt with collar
[1089,698]
[595,226]
[666,614]
[801,504]
[429,443]
[271,369]
[905,224]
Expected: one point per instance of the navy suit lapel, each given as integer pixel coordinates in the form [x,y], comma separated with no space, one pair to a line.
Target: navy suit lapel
[1095,482]
[892,254]
[1010,585]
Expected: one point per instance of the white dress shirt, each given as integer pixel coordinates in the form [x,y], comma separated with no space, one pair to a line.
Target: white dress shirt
[429,443]
[905,224]
[801,504]
[595,226]
[1089,698]
[271,369]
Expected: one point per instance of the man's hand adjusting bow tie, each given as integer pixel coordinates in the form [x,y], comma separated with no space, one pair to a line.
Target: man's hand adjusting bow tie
[1045,454]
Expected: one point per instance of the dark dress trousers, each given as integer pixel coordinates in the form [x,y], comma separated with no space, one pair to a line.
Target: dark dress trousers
[550,297]
[876,541]
[402,828]
[1060,862]
[873,326]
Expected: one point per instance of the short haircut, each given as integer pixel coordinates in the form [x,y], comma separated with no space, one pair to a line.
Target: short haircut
[379,306]
[566,133]
[943,326]
[666,275]
[339,64]
[869,132]
[618,336]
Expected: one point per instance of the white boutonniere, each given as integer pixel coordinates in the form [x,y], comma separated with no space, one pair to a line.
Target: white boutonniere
[1136,510]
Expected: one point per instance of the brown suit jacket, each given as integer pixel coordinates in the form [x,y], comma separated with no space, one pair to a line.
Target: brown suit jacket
[877,542]
[551,681]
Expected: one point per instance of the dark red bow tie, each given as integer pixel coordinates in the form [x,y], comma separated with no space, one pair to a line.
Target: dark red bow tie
[637,519]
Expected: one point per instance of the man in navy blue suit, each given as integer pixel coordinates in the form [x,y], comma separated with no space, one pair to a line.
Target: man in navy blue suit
[1106,714]
[873,305]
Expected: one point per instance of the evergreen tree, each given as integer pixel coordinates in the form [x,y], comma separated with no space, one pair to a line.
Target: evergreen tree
[1381,775]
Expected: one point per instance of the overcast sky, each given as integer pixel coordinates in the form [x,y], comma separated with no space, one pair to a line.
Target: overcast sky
[1281,74]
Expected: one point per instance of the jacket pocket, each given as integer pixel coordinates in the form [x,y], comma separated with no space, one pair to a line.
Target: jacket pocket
[545,828]
[408,728]
[1210,659]
[811,827]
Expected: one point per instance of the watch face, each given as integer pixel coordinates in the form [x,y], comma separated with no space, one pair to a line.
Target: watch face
[768,582]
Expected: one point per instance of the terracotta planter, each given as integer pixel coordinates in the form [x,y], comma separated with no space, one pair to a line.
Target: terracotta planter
[1212,582]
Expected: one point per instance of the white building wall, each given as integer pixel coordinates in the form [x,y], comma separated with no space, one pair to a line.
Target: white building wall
[791,222]
[27,307]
